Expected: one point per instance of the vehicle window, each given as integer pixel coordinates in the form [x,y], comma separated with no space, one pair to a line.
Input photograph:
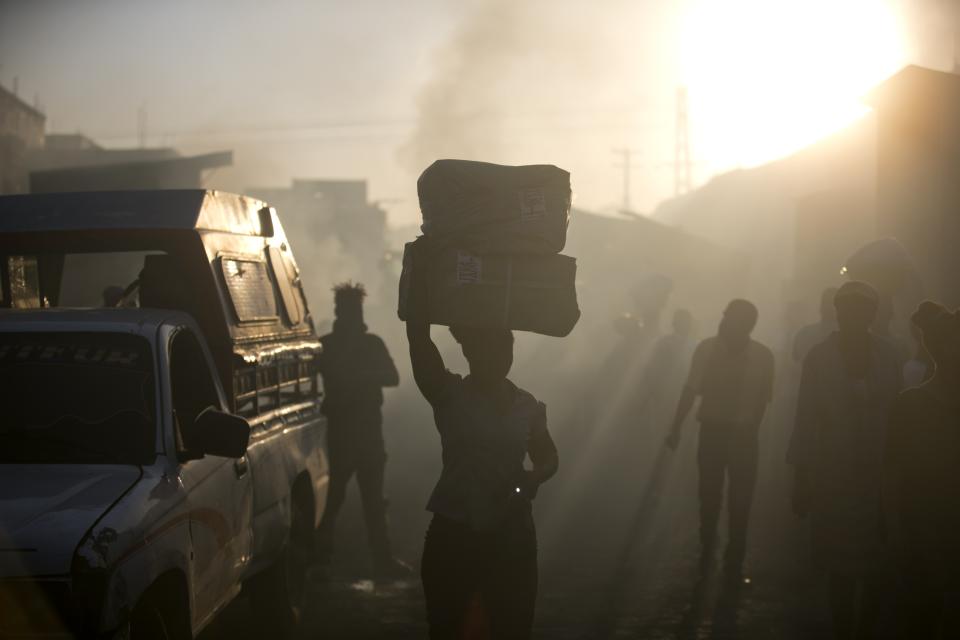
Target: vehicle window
[191,384]
[288,281]
[251,291]
[78,398]
[100,279]
[94,279]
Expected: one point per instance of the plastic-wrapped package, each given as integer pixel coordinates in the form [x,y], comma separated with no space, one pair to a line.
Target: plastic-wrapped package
[491,208]
[524,292]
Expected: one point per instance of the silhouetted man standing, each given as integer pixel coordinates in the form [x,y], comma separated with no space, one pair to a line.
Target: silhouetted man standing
[848,386]
[355,366]
[733,376]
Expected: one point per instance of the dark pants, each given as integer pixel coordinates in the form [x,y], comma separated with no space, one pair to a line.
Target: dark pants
[497,569]
[727,455]
[355,446]
[855,605]
[922,602]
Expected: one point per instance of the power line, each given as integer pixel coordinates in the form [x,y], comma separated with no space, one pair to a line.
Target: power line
[408,122]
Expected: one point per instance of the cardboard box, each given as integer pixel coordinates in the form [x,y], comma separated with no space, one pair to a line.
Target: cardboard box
[522,292]
[491,208]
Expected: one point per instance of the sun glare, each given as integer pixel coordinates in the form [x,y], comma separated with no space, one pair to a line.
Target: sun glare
[768,77]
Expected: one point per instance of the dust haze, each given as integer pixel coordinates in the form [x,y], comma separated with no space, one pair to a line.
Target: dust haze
[377,91]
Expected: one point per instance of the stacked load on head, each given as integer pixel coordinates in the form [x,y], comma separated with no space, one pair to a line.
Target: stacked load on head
[494,233]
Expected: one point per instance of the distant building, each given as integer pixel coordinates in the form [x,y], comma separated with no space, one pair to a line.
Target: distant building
[337,233]
[21,130]
[614,255]
[918,172]
[73,162]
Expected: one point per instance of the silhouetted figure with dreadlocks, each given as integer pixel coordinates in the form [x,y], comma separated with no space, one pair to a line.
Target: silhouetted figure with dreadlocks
[355,366]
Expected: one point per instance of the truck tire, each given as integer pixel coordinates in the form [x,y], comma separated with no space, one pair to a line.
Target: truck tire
[277,595]
[161,614]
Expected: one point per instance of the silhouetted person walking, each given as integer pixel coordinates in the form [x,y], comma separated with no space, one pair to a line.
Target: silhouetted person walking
[847,386]
[481,543]
[813,334]
[922,473]
[733,376]
[355,366]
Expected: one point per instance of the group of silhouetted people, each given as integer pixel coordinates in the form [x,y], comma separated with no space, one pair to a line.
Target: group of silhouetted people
[875,463]
[875,460]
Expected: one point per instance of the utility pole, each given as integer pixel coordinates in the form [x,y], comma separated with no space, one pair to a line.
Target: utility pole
[142,125]
[681,154]
[626,154]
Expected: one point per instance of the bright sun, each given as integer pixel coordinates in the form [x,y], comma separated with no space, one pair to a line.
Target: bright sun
[768,77]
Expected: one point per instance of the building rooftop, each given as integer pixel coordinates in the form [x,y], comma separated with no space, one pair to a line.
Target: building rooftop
[918,89]
[173,172]
[69,141]
[6,94]
[73,151]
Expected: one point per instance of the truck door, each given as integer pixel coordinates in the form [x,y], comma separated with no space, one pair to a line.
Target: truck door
[218,489]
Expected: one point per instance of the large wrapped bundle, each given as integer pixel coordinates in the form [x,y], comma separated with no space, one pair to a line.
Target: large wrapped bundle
[492,208]
[522,292]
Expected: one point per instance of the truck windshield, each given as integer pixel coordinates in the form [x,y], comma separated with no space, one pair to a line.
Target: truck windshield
[76,398]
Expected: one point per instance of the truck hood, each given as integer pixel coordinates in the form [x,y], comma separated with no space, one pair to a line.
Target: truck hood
[45,510]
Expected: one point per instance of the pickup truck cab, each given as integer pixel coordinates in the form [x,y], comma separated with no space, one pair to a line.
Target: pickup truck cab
[163,447]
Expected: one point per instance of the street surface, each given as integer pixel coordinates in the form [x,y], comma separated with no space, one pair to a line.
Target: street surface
[618,546]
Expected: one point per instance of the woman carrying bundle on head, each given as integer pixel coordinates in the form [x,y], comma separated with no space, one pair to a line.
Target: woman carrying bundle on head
[922,479]
[481,544]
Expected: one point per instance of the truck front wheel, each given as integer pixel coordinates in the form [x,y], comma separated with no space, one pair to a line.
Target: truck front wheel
[161,614]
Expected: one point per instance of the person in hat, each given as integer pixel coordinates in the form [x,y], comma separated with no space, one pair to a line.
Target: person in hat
[356,366]
[847,386]
[480,552]
[922,484]
[733,376]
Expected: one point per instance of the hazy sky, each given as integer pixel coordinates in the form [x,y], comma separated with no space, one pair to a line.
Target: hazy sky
[376,90]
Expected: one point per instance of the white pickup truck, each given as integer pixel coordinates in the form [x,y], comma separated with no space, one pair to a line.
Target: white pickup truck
[161,448]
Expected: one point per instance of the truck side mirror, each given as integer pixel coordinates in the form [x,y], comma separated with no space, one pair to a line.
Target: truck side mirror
[218,433]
